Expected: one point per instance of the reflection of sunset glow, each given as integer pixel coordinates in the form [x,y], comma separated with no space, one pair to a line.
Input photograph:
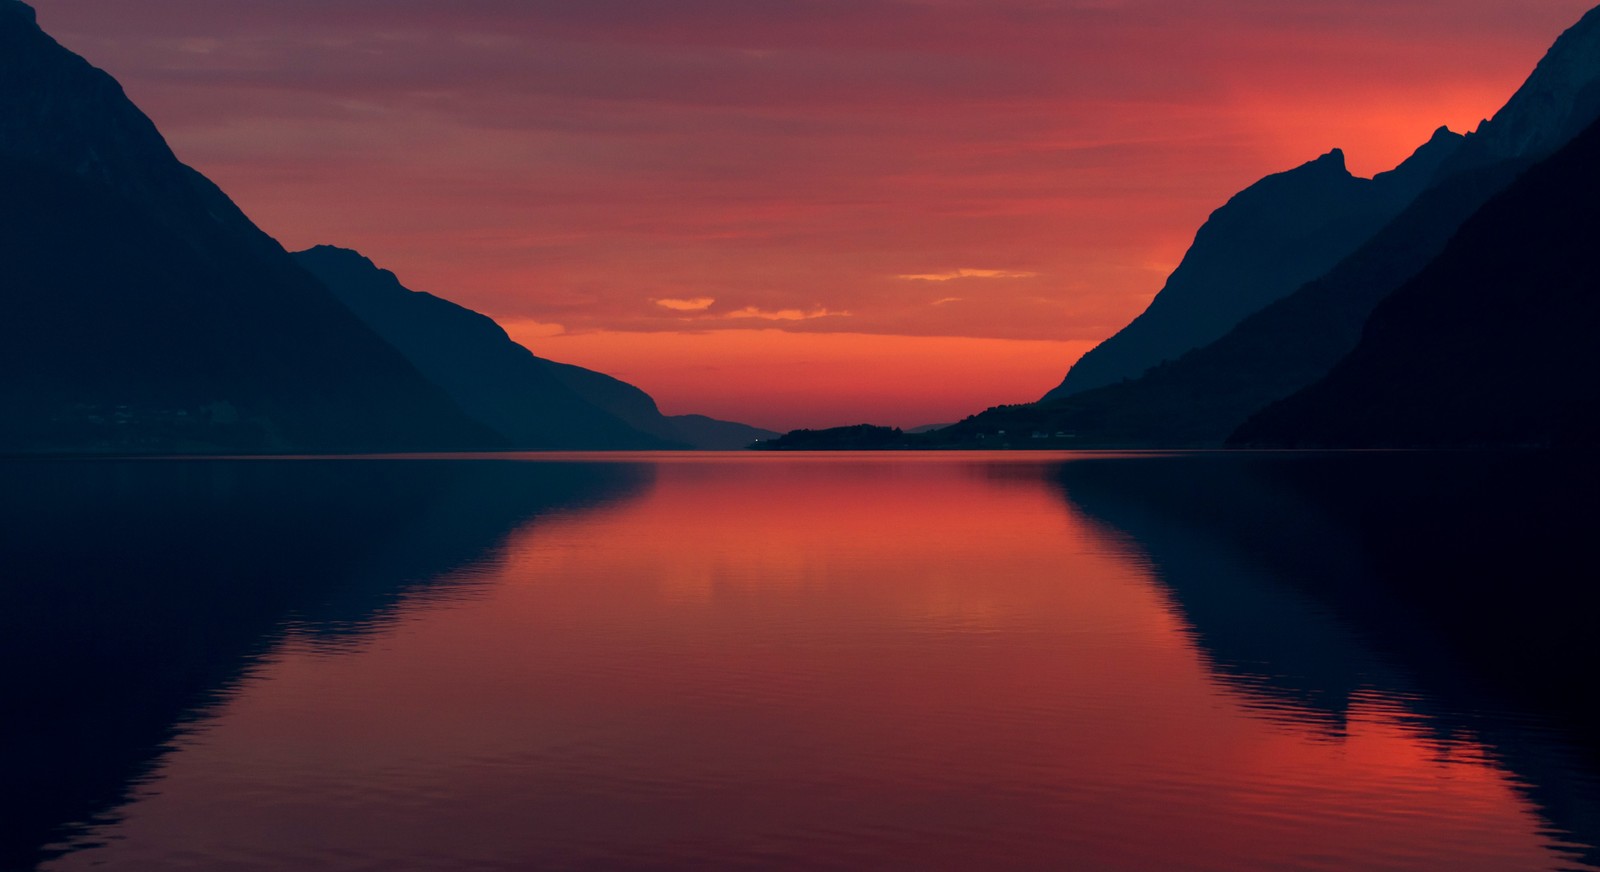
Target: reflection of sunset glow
[924,663]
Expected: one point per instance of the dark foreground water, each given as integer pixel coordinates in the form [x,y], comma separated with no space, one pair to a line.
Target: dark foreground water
[874,662]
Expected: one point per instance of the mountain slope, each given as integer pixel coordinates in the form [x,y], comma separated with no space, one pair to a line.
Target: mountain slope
[1557,102]
[1491,345]
[638,409]
[1268,240]
[536,403]
[140,310]
[710,434]
[492,378]
[1202,397]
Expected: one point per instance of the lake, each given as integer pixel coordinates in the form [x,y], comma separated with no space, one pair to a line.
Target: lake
[752,661]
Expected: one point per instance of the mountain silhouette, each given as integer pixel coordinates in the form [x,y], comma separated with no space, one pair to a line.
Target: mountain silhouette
[493,379]
[1491,345]
[142,311]
[535,403]
[1266,242]
[1202,397]
[711,434]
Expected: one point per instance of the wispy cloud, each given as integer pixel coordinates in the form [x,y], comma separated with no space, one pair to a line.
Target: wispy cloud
[698,304]
[947,301]
[968,274]
[753,313]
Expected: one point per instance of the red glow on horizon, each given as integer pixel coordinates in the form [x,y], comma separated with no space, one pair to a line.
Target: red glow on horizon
[574,164]
[785,381]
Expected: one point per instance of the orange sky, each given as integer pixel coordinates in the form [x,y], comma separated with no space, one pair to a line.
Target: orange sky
[653,189]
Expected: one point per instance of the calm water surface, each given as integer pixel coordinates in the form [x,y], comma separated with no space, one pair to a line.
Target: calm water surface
[783,662]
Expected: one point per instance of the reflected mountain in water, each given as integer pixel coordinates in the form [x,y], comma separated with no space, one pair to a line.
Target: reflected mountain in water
[214,562]
[1454,582]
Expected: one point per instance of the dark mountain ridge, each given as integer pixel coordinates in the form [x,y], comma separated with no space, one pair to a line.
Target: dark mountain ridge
[1491,345]
[145,312]
[537,403]
[493,379]
[1558,101]
[1201,398]
[1267,241]
[142,312]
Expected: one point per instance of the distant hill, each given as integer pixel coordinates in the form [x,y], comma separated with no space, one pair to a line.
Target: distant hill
[710,434]
[1491,345]
[535,403]
[857,437]
[1266,242]
[141,311]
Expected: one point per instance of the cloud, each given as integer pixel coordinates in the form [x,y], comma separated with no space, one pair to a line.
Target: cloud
[698,304]
[947,301]
[967,274]
[529,330]
[696,307]
[753,313]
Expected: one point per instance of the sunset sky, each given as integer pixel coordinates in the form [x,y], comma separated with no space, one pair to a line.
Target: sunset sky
[793,212]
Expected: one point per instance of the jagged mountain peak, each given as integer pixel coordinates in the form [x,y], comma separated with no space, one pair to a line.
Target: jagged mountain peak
[340,251]
[1418,171]
[1329,171]
[1265,242]
[1442,141]
[1333,159]
[347,258]
[1490,344]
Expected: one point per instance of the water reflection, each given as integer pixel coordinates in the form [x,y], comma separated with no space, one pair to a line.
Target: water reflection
[1452,587]
[773,662]
[136,594]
